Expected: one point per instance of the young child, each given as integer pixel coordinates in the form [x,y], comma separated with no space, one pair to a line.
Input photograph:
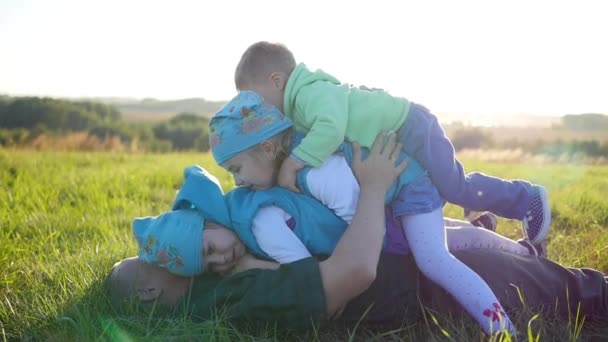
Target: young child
[331,112]
[251,138]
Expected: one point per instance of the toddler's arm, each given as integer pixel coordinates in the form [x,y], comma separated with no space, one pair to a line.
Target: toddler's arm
[335,185]
[276,238]
[322,108]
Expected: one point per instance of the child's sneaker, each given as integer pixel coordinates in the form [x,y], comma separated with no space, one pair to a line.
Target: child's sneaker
[537,221]
[539,249]
[485,220]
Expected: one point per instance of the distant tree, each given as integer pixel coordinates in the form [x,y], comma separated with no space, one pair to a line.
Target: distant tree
[585,122]
[55,114]
[471,138]
[186,131]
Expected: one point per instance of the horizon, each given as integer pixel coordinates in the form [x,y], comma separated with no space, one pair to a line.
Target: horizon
[471,58]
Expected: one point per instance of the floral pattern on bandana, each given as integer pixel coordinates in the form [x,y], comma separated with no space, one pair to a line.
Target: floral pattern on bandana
[243,123]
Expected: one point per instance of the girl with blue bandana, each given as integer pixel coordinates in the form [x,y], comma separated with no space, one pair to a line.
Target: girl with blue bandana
[251,138]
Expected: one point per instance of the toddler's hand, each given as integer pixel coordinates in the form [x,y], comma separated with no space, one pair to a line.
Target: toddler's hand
[287,174]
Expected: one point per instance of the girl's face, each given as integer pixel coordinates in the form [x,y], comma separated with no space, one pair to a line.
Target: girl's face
[254,168]
[221,248]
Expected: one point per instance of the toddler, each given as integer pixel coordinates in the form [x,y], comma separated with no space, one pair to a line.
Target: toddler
[330,112]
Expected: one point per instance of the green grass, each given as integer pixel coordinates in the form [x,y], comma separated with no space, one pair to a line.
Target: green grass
[65,219]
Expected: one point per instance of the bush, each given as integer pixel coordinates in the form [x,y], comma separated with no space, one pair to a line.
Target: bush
[470,138]
[185,131]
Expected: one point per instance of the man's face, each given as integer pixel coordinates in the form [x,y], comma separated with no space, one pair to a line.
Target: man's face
[134,278]
[221,248]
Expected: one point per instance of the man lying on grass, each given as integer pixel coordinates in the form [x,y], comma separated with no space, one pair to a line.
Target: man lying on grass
[296,294]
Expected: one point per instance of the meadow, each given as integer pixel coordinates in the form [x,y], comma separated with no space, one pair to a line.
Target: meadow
[65,218]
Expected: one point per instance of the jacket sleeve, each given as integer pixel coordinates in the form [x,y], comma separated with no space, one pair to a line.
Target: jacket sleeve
[322,108]
[291,296]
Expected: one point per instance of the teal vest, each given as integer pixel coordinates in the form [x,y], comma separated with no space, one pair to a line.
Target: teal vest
[317,227]
[413,171]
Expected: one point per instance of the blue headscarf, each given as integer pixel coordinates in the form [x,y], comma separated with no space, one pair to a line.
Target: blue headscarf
[243,123]
[173,240]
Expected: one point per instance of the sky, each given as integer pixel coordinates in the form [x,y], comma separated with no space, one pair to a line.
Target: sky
[486,57]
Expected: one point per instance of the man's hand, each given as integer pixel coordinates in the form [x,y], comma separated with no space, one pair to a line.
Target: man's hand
[287,174]
[379,170]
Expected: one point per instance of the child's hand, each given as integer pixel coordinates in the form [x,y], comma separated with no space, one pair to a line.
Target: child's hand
[287,174]
[248,262]
[379,169]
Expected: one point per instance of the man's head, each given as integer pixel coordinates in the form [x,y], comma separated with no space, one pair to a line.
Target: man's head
[132,278]
[265,68]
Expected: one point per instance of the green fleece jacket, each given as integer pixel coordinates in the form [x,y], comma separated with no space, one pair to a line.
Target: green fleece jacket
[330,113]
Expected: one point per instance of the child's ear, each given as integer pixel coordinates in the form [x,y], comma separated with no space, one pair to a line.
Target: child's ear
[268,148]
[278,79]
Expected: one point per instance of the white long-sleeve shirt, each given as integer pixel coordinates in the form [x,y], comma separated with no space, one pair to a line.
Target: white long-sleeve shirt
[333,184]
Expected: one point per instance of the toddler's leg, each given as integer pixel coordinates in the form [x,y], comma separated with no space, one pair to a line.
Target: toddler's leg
[425,140]
[427,240]
[451,222]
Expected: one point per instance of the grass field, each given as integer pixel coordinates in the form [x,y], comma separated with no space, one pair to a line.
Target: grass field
[65,219]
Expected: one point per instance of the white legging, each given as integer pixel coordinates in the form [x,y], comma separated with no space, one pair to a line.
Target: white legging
[463,235]
[426,236]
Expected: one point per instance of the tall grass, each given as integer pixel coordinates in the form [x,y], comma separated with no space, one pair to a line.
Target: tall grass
[65,219]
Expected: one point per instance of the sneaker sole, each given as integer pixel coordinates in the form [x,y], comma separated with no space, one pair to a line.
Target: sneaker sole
[542,234]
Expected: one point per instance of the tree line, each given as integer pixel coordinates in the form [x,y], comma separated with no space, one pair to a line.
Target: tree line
[23,119]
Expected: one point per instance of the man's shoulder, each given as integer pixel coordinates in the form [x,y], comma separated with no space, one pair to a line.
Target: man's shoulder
[289,295]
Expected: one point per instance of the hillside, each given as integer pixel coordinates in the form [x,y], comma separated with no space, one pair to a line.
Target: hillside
[150,109]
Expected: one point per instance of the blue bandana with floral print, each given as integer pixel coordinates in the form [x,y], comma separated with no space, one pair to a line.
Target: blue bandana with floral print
[243,123]
[172,240]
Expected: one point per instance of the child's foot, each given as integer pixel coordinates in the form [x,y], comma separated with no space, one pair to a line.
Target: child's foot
[537,221]
[539,249]
[485,220]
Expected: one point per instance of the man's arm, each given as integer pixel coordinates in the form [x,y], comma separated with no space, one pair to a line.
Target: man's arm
[352,266]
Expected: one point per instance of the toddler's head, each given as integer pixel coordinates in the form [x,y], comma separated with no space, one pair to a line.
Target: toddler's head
[250,138]
[265,68]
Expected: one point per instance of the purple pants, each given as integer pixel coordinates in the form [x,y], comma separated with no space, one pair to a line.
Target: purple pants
[395,241]
[424,139]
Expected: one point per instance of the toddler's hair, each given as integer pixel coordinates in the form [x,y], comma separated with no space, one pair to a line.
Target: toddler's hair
[283,142]
[260,60]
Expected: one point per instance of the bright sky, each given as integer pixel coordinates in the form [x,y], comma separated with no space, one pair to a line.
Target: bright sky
[486,57]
